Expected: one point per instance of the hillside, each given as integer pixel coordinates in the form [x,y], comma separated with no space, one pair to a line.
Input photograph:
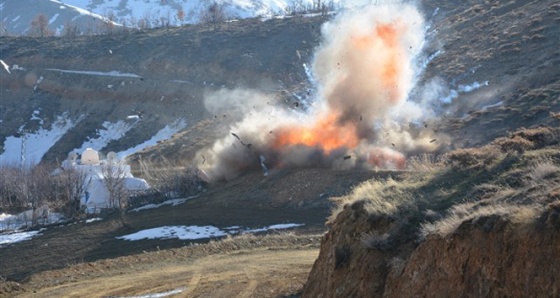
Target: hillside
[478,221]
[420,134]
[88,17]
[160,76]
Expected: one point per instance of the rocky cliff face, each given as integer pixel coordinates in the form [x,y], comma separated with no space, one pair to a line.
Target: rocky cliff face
[346,267]
[489,256]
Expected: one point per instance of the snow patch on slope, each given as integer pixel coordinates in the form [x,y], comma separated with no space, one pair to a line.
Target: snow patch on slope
[113,73]
[165,133]
[196,232]
[109,132]
[36,143]
[17,237]
[156,10]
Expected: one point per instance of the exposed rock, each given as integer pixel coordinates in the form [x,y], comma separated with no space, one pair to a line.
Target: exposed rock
[488,256]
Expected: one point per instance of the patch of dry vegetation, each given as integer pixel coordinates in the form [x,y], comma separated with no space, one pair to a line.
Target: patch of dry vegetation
[461,213]
[379,197]
[515,178]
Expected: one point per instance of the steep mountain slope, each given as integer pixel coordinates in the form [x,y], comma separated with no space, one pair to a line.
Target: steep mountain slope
[158,78]
[16,18]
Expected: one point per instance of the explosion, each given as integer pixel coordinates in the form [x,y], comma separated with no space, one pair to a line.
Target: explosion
[364,69]
[325,134]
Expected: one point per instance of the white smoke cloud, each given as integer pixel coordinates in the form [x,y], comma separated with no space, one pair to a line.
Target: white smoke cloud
[364,70]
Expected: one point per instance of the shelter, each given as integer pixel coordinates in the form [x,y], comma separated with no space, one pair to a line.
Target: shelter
[98,173]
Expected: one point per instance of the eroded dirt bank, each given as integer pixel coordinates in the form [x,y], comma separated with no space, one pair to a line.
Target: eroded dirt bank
[485,257]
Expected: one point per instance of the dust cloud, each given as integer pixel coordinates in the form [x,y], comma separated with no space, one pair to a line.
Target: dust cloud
[364,69]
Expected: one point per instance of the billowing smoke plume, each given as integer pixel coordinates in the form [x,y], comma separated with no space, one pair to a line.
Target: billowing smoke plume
[365,70]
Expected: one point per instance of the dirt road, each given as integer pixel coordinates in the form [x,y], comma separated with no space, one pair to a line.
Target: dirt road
[250,266]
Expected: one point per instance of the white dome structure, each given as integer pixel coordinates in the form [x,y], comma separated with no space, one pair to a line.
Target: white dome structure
[96,195]
[90,157]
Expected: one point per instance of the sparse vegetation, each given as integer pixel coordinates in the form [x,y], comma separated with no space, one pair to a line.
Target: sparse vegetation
[512,178]
[214,15]
[374,241]
[472,157]
[40,26]
[168,180]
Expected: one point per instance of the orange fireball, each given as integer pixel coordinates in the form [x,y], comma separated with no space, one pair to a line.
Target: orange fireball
[326,134]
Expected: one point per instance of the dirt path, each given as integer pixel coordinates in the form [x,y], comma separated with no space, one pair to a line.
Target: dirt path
[248,273]
[244,266]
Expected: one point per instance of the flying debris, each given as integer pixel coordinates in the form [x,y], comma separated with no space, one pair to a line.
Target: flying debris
[263,166]
[347,157]
[6,67]
[434,140]
[237,137]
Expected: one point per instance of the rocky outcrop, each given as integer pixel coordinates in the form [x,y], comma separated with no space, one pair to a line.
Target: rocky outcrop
[353,262]
[485,257]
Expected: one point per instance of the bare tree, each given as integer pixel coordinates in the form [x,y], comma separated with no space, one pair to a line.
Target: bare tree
[215,14]
[168,19]
[34,189]
[72,187]
[70,30]
[142,24]
[113,179]
[39,26]
[180,15]
[114,176]
[9,180]
[109,22]
[170,180]
[3,29]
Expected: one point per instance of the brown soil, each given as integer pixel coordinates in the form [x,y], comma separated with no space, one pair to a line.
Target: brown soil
[244,266]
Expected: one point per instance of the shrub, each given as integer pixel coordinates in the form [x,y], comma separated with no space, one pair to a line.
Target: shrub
[378,197]
[472,157]
[341,256]
[513,144]
[424,163]
[540,136]
[373,241]
[542,170]
[170,181]
[461,213]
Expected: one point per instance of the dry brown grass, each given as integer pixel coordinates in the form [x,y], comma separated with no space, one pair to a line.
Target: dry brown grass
[424,163]
[544,172]
[459,214]
[381,197]
[540,136]
[521,204]
[514,144]
[513,177]
[473,157]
